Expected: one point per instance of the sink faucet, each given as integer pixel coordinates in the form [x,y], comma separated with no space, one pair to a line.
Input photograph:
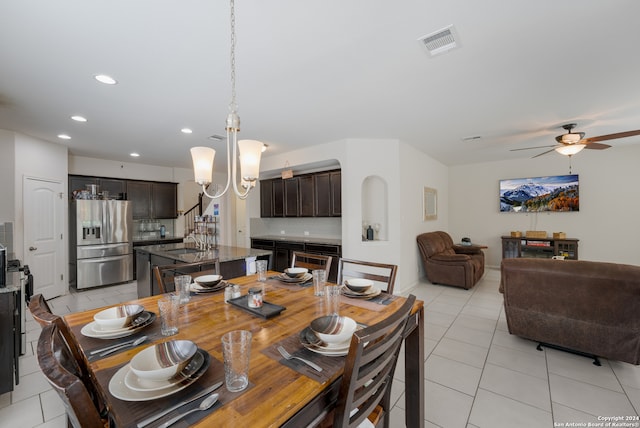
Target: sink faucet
[199,244]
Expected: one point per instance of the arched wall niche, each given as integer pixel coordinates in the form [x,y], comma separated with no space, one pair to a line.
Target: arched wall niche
[375,202]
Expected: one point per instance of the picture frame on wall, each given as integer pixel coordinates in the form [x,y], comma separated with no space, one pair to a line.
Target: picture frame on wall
[430,204]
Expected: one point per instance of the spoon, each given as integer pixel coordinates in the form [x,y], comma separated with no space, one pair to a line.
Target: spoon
[135,343]
[204,405]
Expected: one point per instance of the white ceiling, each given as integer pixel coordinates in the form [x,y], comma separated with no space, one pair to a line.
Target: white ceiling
[310,72]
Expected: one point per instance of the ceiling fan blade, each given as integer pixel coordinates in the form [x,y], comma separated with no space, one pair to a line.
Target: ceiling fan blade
[543,153]
[529,148]
[611,136]
[597,146]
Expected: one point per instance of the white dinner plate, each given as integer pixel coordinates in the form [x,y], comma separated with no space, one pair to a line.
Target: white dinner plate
[134,383]
[197,288]
[310,341]
[286,278]
[370,293]
[119,389]
[93,330]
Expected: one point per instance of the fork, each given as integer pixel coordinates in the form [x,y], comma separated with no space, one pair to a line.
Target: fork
[288,356]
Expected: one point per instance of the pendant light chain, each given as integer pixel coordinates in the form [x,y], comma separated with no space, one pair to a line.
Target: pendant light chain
[233,106]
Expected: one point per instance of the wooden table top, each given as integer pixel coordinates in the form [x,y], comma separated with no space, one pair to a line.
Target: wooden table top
[276,392]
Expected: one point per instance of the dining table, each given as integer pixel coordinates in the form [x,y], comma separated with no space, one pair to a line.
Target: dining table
[281,392]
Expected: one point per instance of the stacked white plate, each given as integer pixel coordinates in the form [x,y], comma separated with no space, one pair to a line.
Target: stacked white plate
[373,291]
[96,331]
[125,385]
[199,289]
[286,278]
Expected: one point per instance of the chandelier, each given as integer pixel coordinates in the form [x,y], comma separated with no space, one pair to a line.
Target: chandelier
[250,150]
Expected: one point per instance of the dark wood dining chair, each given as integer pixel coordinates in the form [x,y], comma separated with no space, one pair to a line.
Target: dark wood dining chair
[380,273]
[164,274]
[43,315]
[58,365]
[311,261]
[368,372]
[41,311]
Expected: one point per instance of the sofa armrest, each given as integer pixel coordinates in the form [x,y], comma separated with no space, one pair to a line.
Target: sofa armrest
[466,249]
[450,257]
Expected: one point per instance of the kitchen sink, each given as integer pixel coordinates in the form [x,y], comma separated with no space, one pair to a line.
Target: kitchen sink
[184,251]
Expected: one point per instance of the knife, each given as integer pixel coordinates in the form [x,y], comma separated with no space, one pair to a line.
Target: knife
[158,415]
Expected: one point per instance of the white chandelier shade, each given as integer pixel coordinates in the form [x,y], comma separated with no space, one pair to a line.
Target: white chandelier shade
[570,149]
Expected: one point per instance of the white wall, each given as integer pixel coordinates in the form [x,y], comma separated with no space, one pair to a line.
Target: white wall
[7,173]
[606,224]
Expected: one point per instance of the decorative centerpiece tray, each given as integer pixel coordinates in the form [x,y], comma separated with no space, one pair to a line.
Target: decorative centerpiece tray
[268,310]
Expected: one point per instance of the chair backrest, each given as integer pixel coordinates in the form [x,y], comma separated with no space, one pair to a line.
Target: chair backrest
[369,369]
[41,311]
[164,274]
[384,275]
[54,359]
[311,261]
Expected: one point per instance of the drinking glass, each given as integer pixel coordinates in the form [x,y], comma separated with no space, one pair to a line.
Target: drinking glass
[169,307]
[236,351]
[319,280]
[183,287]
[332,299]
[261,269]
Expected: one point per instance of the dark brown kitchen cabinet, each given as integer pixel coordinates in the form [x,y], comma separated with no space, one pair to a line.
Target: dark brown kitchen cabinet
[153,199]
[266,198]
[291,197]
[139,193]
[164,200]
[305,192]
[328,194]
[116,188]
[278,198]
[306,195]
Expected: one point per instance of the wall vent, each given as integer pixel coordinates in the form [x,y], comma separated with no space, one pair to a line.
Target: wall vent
[440,41]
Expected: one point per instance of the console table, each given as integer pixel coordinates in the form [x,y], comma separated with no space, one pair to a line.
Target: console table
[547,247]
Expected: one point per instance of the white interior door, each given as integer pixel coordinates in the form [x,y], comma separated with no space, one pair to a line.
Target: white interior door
[43,235]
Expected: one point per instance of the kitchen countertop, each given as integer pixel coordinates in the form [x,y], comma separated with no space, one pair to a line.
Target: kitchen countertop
[222,253]
[305,239]
[156,239]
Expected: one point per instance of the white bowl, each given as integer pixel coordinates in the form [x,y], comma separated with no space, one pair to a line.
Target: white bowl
[359,285]
[163,360]
[117,316]
[296,272]
[333,329]
[208,280]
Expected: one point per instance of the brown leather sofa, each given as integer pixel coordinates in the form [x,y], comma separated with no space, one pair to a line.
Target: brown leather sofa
[585,306]
[449,264]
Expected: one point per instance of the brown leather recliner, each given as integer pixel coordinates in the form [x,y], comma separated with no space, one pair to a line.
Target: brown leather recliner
[449,264]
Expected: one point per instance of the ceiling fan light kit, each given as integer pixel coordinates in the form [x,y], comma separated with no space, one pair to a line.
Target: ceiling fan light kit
[570,149]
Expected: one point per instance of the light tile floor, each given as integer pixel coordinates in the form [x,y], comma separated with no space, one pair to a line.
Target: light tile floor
[476,374]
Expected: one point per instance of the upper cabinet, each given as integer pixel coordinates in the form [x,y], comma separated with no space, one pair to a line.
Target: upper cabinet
[307,195]
[149,199]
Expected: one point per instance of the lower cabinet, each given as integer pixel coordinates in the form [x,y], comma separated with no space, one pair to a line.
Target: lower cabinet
[9,339]
[283,253]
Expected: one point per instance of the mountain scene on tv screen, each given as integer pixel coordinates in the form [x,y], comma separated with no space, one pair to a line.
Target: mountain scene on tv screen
[557,193]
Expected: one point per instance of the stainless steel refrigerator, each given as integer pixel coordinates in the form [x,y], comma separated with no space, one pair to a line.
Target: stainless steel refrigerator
[101,245]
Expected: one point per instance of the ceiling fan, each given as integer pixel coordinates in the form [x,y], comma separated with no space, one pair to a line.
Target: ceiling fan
[573,142]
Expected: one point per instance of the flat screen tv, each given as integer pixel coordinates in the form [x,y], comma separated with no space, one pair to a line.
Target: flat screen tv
[557,193]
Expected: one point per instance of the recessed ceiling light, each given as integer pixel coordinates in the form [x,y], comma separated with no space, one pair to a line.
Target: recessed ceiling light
[64,136]
[107,80]
[79,118]
[186,131]
[134,155]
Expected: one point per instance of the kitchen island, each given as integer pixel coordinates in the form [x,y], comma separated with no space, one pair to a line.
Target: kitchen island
[232,261]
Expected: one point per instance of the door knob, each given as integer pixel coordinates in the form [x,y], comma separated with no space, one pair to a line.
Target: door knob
[33,248]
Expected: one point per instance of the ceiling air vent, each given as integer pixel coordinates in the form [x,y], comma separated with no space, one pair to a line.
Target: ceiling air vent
[441,41]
